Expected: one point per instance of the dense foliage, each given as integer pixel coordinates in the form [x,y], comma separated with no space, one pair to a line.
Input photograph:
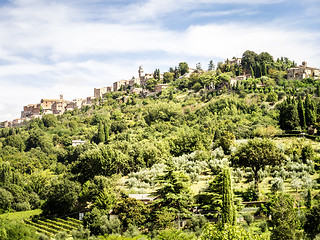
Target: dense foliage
[199,148]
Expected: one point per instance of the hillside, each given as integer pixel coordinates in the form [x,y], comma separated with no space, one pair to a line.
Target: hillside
[175,145]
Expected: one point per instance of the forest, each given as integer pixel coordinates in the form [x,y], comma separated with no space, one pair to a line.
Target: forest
[211,159]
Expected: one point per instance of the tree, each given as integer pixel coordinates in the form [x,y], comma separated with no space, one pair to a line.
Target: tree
[223,80]
[49,120]
[288,115]
[283,217]
[309,199]
[168,77]
[6,199]
[227,232]
[257,154]
[307,153]
[15,141]
[183,68]
[131,212]
[5,173]
[99,191]
[301,111]
[272,97]
[101,134]
[151,83]
[198,67]
[312,223]
[62,197]
[248,61]
[211,66]
[228,211]
[106,132]
[174,193]
[310,111]
[226,141]
[99,223]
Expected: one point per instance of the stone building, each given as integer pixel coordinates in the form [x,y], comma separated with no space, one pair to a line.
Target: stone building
[59,107]
[99,92]
[47,103]
[134,81]
[117,85]
[302,71]
[234,81]
[234,61]
[145,77]
[30,110]
[158,88]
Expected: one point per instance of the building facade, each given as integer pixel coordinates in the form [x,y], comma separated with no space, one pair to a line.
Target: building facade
[302,71]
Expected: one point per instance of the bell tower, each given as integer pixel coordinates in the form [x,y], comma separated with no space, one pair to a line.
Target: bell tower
[140,71]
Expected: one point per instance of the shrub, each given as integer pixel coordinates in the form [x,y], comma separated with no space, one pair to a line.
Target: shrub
[248,218]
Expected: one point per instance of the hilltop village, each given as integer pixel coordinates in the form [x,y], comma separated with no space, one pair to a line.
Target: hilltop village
[187,152]
[139,86]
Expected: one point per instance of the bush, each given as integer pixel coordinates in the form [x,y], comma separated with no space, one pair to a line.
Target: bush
[23,206]
[263,226]
[272,97]
[61,236]
[80,234]
[6,199]
[248,218]
[277,184]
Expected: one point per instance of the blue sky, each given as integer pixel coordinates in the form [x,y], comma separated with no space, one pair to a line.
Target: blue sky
[71,47]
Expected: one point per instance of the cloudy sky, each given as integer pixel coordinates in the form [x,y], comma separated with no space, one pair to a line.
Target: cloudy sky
[72,46]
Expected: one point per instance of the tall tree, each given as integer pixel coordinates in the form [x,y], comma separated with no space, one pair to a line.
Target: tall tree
[228,210]
[289,115]
[211,66]
[301,112]
[101,134]
[310,111]
[284,217]
[312,223]
[248,61]
[183,68]
[257,154]
[106,131]
[174,193]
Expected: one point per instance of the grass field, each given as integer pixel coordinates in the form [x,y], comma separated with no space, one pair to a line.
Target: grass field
[20,215]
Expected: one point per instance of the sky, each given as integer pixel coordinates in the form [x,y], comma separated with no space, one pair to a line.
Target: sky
[70,47]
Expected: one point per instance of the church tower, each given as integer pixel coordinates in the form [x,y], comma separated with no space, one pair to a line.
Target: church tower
[140,71]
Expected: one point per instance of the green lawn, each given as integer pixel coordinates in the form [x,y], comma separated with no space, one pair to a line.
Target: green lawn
[20,215]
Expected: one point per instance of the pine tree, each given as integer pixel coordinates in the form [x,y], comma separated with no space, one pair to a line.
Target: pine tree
[301,112]
[228,211]
[101,135]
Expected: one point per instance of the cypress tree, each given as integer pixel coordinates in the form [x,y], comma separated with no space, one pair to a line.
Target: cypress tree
[106,132]
[301,112]
[252,72]
[309,199]
[289,116]
[310,111]
[318,90]
[101,135]
[228,211]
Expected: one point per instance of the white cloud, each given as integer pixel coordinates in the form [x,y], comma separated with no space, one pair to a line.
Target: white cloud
[57,50]
[153,9]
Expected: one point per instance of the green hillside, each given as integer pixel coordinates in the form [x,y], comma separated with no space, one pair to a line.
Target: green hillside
[179,146]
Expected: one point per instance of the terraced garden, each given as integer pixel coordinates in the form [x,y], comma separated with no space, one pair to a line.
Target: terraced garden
[50,227]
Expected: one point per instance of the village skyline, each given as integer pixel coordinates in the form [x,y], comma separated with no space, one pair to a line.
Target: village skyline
[48,48]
